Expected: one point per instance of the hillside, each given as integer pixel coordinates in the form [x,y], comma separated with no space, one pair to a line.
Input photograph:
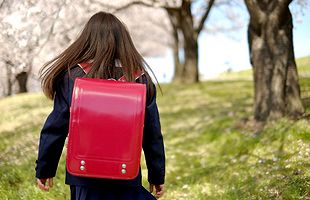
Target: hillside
[303,65]
[211,153]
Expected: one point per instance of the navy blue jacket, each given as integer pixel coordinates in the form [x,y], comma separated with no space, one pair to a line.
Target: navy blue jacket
[55,131]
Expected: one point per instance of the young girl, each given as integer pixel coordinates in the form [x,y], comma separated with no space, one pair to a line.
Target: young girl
[106,46]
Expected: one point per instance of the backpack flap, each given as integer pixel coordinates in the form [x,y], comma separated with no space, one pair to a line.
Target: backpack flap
[106,128]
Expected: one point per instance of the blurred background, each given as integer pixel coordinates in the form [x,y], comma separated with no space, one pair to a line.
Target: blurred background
[235,79]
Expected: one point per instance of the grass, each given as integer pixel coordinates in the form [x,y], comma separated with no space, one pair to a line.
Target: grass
[303,65]
[210,152]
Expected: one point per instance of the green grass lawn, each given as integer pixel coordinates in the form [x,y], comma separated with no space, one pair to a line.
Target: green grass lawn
[211,152]
[303,65]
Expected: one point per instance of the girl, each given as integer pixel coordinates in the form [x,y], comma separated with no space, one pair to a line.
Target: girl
[106,46]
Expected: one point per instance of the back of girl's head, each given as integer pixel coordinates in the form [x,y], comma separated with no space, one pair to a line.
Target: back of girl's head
[103,40]
[107,39]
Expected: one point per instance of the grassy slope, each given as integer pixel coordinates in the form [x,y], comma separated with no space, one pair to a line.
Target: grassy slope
[303,65]
[209,155]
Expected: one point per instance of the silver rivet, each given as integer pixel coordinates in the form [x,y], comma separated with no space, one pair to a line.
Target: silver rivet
[82,162]
[124,166]
[123,171]
[82,168]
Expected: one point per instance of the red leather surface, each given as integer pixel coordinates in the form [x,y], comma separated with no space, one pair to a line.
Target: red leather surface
[106,128]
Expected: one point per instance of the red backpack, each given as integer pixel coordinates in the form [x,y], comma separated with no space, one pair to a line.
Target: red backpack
[106,128]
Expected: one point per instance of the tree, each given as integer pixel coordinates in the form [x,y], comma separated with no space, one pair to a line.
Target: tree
[9,82]
[185,27]
[44,28]
[182,22]
[20,38]
[35,31]
[277,91]
[26,28]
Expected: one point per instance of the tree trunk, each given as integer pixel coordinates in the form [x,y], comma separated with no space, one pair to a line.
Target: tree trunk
[22,78]
[293,98]
[182,21]
[178,66]
[9,82]
[271,50]
[190,71]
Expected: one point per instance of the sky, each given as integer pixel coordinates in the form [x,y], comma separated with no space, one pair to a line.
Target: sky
[220,52]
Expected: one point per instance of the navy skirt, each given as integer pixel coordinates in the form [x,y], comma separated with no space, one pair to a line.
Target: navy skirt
[110,193]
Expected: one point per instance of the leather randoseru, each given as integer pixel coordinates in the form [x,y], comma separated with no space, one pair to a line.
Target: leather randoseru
[106,128]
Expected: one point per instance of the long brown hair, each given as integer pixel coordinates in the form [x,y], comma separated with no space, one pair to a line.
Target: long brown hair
[103,40]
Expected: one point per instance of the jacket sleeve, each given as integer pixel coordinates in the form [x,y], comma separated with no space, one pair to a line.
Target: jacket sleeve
[153,145]
[54,133]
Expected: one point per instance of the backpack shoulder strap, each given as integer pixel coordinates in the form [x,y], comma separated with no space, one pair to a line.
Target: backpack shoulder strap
[138,74]
[86,67]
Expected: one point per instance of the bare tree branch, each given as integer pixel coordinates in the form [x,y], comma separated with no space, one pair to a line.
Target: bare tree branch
[123,7]
[126,6]
[2,3]
[152,4]
[102,4]
[205,16]
[159,25]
